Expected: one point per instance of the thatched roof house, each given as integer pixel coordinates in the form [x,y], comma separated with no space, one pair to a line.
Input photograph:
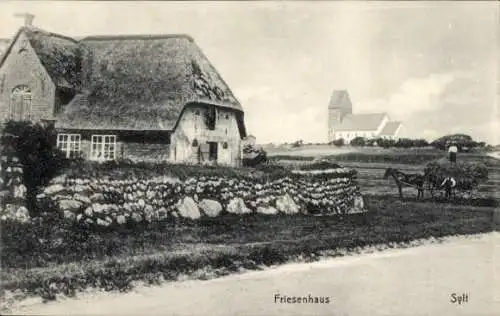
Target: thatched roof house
[140,89]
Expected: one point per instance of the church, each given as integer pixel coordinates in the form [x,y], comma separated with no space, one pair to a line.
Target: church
[344,124]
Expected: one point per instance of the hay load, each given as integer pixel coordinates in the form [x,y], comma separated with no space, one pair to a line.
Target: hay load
[465,173]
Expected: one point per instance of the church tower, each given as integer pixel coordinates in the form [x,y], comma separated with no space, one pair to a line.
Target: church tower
[340,105]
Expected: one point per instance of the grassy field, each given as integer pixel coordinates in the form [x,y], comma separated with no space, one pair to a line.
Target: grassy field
[370,163]
[54,258]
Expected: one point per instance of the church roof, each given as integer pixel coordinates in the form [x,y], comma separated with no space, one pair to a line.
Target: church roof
[390,128]
[360,122]
[340,98]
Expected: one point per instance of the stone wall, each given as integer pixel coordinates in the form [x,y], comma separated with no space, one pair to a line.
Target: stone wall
[108,201]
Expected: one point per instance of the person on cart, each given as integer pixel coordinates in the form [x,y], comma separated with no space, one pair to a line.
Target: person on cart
[452,152]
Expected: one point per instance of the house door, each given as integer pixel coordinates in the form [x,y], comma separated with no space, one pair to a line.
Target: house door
[212,151]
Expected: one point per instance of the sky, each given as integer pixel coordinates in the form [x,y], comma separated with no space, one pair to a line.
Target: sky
[433,66]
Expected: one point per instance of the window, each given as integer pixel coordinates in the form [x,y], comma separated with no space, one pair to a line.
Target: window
[103,147]
[20,103]
[69,144]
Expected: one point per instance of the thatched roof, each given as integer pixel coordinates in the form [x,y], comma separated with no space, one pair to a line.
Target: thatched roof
[58,54]
[361,122]
[136,82]
[143,82]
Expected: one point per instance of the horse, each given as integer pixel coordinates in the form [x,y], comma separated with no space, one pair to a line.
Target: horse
[415,180]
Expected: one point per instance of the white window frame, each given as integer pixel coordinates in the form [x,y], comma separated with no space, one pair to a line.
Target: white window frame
[69,143]
[98,148]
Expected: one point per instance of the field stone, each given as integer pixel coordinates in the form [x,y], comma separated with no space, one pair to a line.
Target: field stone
[101,222]
[69,215]
[82,198]
[237,206]
[287,205]
[97,197]
[53,189]
[69,205]
[98,208]
[81,188]
[187,208]
[120,219]
[211,208]
[269,210]
[136,217]
[148,209]
[88,211]
[20,191]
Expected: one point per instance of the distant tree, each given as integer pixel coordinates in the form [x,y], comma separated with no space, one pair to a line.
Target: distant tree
[420,143]
[462,141]
[298,143]
[358,142]
[338,142]
[404,143]
[385,143]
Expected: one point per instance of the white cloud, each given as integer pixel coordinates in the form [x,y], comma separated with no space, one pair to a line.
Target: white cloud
[414,95]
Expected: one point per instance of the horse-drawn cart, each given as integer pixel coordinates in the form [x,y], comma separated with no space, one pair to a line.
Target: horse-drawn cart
[451,180]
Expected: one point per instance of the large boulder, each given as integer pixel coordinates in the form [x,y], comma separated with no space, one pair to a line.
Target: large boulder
[210,208]
[187,208]
[237,206]
[285,204]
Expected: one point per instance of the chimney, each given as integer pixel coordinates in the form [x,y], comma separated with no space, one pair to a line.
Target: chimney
[28,18]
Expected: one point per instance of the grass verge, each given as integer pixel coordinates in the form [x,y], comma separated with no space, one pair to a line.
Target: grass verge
[115,260]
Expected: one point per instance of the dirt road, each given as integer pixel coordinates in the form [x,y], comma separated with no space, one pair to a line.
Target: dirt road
[416,281]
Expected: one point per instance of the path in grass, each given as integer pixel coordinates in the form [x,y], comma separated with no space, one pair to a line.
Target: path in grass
[417,281]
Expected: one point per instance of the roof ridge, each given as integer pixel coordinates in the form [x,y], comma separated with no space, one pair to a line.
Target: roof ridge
[48,33]
[135,36]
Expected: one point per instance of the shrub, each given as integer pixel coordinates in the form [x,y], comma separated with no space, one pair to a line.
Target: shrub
[338,142]
[463,142]
[358,142]
[34,146]
[253,156]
